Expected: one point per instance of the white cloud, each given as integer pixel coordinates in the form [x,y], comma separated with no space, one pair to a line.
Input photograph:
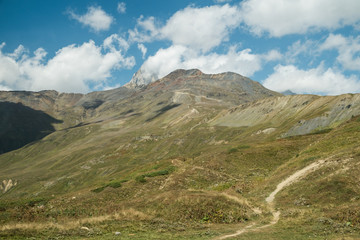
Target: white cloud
[72,69]
[282,17]
[313,81]
[9,71]
[300,49]
[106,87]
[348,49]
[163,62]
[197,28]
[178,56]
[143,49]
[333,41]
[272,55]
[95,18]
[3,88]
[222,1]
[121,7]
[114,42]
[19,51]
[201,28]
[146,30]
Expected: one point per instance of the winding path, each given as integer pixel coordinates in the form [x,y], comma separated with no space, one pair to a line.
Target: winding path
[270,199]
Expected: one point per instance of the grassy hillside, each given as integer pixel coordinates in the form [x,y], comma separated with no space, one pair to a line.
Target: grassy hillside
[163,166]
[204,180]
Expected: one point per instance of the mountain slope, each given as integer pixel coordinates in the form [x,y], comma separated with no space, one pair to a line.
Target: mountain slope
[302,113]
[181,159]
[20,125]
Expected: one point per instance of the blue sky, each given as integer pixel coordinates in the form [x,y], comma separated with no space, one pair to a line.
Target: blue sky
[310,47]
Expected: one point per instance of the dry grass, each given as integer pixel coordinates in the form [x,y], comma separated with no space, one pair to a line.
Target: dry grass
[67,224]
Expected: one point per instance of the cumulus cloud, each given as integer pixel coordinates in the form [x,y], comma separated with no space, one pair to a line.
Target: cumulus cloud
[114,42]
[282,17]
[96,18]
[146,30]
[202,28]
[313,81]
[143,49]
[198,28]
[121,7]
[348,49]
[72,68]
[272,55]
[178,56]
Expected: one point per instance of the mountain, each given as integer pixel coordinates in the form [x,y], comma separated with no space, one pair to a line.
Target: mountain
[227,87]
[288,92]
[189,156]
[139,79]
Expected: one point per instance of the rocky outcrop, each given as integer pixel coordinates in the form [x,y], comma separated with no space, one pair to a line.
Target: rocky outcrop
[141,79]
[6,185]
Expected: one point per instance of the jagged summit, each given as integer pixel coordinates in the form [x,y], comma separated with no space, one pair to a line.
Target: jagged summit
[140,79]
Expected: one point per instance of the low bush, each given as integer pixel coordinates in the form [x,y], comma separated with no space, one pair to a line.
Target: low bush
[232,150]
[112,184]
[99,189]
[167,171]
[157,173]
[140,179]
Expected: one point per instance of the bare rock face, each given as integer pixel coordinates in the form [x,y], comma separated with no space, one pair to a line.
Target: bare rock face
[6,185]
[141,79]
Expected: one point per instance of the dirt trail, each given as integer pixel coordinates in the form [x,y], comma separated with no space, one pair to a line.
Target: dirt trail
[270,199]
[294,178]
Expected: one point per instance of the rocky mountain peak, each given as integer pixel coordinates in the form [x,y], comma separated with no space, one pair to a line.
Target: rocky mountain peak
[228,87]
[140,79]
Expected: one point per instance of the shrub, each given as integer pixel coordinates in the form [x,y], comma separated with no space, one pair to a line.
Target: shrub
[322,131]
[167,171]
[99,189]
[223,186]
[158,173]
[114,184]
[232,150]
[140,179]
[34,201]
